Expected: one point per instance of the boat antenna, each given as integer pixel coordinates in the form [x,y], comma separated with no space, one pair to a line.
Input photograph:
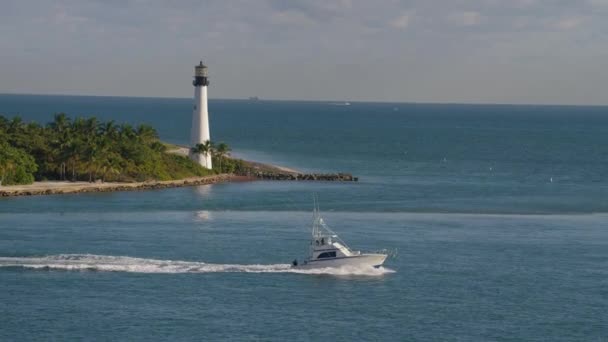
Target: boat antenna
[316,216]
[315,201]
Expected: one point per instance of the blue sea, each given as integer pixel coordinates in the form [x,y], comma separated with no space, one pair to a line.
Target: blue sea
[495,216]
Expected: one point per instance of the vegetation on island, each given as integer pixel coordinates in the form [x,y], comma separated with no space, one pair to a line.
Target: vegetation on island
[220,158]
[86,149]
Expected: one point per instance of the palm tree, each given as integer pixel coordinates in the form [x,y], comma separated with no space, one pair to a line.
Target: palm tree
[15,124]
[17,133]
[204,148]
[91,127]
[60,135]
[6,166]
[109,129]
[61,123]
[222,150]
[3,123]
[127,132]
[73,152]
[109,164]
[147,134]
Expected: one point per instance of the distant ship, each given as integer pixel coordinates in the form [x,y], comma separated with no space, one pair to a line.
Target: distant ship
[340,103]
[254,98]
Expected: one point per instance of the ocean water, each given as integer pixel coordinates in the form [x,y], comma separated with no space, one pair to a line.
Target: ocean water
[495,217]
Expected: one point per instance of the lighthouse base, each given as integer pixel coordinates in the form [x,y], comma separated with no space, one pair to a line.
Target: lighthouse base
[203,159]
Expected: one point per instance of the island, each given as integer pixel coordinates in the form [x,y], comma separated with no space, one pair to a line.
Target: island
[87,155]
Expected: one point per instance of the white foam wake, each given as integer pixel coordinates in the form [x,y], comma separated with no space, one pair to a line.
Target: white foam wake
[108,263]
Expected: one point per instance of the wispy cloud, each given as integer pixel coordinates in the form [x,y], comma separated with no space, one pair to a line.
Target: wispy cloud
[401,22]
[599,3]
[316,10]
[465,18]
[568,23]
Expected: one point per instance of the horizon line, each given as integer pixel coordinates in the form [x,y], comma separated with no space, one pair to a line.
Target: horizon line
[324,101]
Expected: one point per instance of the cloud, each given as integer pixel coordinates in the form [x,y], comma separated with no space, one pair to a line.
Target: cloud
[316,10]
[401,22]
[291,17]
[62,17]
[570,23]
[598,3]
[464,18]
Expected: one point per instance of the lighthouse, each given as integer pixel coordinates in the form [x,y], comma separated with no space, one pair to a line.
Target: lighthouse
[200,116]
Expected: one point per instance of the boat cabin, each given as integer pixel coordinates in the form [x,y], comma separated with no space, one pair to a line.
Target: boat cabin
[323,247]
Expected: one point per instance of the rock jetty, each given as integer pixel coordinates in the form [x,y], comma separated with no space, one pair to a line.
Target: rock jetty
[261,171]
[291,176]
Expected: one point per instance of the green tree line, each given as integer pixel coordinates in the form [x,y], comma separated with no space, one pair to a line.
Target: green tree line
[86,149]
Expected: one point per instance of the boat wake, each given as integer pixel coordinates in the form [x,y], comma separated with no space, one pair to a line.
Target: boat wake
[107,263]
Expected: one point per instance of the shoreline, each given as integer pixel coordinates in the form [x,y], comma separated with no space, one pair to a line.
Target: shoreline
[256,172]
[67,187]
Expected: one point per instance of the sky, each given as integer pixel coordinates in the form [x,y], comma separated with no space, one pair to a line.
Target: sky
[448,51]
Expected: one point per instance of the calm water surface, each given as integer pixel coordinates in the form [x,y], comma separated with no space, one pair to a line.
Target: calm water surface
[495,216]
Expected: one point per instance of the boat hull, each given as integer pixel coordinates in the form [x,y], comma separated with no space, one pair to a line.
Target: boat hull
[359,261]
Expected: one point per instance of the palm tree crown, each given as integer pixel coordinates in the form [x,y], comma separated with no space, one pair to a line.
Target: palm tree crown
[206,147]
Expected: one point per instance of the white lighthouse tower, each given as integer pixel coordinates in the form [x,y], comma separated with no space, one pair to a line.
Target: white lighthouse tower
[200,116]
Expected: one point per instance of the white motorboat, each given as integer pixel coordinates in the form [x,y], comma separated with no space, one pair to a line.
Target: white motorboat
[328,250]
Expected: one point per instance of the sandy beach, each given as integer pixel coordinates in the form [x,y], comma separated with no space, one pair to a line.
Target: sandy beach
[65,187]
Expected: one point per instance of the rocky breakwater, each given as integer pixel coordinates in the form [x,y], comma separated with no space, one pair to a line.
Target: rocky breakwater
[54,188]
[291,176]
[259,171]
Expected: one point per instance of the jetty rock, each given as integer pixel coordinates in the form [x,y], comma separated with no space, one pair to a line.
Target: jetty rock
[290,176]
